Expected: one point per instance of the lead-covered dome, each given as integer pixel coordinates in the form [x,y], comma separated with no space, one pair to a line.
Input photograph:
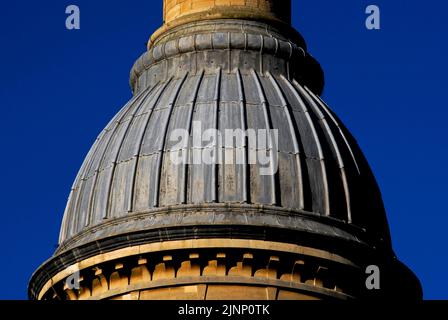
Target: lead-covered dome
[238,78]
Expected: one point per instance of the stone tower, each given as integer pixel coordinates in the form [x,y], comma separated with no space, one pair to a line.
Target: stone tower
[304,224]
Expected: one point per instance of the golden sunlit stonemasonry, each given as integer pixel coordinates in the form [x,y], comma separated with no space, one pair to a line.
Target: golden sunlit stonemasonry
[212,269]
[268,9]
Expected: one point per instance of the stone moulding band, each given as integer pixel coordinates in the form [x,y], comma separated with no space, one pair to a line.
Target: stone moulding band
[216,41]
[194,244]
[219,215]
[261,282]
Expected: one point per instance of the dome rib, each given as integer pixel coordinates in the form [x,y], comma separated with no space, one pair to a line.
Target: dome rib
[294,134]
[86,168]
[318,103]
[325,107]
[314,161]
[270,148]
[135,154]
[117,137]
[141,135]
[244,143]
[161,147]
[110,183]
[337,205]
[191,105]
[216,101]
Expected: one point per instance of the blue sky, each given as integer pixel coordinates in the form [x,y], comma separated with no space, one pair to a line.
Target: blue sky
[59,88]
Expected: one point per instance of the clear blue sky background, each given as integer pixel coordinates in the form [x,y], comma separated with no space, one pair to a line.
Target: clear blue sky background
[59,88]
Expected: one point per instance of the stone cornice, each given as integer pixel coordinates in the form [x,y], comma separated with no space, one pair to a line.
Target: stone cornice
[204,262]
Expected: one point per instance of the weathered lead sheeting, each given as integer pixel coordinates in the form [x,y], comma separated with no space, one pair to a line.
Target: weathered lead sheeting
[129,168]
[228,77]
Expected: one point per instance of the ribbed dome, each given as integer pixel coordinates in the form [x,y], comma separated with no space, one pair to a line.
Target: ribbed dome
[128,181]
[174,199]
